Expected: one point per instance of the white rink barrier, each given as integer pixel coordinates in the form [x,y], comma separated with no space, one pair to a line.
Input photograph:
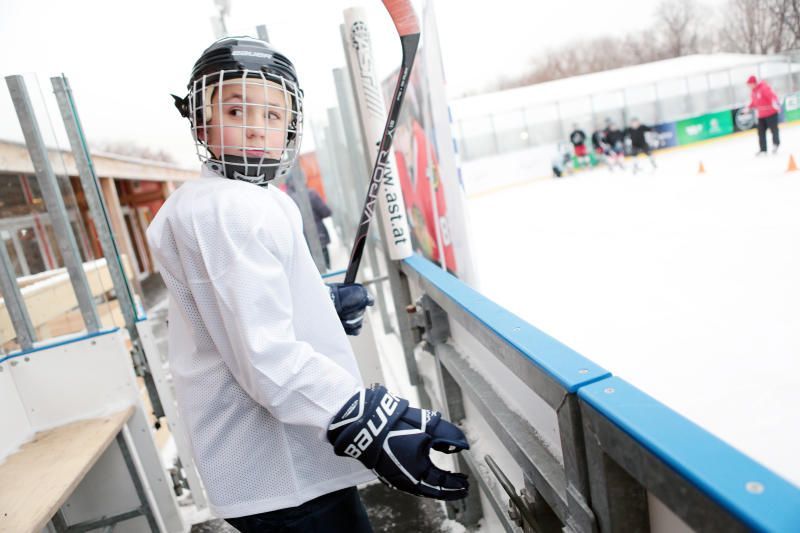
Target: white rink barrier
[90,377]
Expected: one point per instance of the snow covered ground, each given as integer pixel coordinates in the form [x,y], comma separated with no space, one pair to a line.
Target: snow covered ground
[686,285]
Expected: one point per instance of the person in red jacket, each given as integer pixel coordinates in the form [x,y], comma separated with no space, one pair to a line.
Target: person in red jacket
[765,103]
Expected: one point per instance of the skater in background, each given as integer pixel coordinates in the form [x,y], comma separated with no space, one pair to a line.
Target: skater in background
[578,140]
[637,133]
[766,105]
[615,145]
[599,145]
[561,161]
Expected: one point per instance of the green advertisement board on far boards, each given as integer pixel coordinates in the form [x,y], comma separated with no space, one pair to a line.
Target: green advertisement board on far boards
[692,130]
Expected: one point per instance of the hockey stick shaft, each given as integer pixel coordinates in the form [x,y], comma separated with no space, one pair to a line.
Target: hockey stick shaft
[405,21]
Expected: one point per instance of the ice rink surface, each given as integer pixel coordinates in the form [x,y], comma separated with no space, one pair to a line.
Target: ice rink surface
[687,285]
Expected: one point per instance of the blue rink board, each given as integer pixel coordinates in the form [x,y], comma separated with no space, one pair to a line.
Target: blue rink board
[716,468]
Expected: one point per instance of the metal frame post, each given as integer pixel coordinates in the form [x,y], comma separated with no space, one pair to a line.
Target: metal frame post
[437,331]
[619,503]
[15,303]
[93,197]
[51,193]
[573,451]
[622,472]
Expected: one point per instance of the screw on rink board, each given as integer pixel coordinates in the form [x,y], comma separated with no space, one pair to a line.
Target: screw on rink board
[609,390]
[754,487]
[583,371]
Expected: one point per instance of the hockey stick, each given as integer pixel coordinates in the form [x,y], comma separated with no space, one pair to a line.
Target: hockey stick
[405,21]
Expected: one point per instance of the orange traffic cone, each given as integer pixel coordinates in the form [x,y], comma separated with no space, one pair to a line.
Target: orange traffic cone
[702,169]
[792,164]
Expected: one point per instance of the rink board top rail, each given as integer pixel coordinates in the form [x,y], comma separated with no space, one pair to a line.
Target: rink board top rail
[761,499]
[54,343]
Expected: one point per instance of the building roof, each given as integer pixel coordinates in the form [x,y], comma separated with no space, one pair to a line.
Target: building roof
[606,81]
[14,158]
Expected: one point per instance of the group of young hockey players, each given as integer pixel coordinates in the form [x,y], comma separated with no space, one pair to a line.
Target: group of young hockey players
[608,146]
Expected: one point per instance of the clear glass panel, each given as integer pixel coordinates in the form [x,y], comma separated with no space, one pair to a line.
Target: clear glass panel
[739,75]
[477,138]
[512,132]
[543,124]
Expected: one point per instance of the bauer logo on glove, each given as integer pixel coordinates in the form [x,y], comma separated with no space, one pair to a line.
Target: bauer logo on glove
[395,440]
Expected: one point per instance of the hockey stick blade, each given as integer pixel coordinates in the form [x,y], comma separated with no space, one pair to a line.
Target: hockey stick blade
[405,21]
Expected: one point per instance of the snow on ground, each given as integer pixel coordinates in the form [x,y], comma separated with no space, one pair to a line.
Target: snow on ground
[686,285]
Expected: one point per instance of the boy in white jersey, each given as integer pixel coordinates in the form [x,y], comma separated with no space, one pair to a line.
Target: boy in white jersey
[264,375]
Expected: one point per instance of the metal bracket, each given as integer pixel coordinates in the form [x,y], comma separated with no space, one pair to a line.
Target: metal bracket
[430,321]
[527,509]
[142,370]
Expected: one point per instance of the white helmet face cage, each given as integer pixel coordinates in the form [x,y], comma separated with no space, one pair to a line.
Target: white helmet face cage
[247,124]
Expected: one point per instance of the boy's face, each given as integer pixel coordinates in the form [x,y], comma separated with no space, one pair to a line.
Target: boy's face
[248,118]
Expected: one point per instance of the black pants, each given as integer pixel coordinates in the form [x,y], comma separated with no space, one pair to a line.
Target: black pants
[337,512]
[770,122]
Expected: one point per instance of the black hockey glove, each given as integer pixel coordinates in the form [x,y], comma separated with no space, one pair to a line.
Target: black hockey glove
[394,440]
[350,301]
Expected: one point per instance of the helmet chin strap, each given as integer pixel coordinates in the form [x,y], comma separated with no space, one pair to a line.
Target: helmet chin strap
[256,170]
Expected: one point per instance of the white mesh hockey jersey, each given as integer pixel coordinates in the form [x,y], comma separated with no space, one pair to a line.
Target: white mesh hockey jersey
[258,355]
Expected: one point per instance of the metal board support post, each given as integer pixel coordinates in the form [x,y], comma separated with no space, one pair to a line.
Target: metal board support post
[102,223]
[570,432]
[341,161]
[619,503]
[518,437]
[137,483]
[54,201]
[333,188]
[622,471]
[91,190]
[15,304]
[401,297]
[358,179]
[467,511]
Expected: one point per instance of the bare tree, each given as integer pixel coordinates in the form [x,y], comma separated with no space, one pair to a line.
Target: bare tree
[785,16]
[759,26]
[679,26]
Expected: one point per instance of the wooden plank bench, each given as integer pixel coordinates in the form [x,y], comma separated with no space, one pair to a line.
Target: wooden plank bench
[37,480]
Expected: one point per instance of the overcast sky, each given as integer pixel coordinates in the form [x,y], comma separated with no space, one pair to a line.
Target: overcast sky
[123,58]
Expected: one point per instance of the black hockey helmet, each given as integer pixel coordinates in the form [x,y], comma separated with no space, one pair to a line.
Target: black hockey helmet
[232,58]
[242,54]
